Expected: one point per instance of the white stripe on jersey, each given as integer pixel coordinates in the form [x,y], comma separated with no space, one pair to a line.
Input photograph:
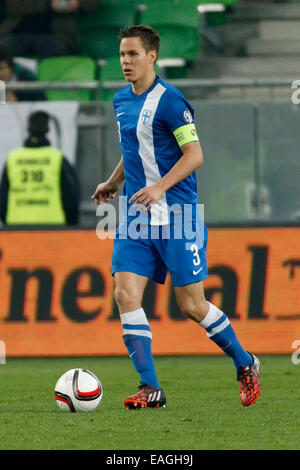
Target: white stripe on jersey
[144,133]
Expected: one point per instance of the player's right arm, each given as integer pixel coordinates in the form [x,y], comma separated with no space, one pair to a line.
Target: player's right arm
[108,189]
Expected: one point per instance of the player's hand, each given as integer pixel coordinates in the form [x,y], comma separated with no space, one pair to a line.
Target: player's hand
[147,196]
[104,192]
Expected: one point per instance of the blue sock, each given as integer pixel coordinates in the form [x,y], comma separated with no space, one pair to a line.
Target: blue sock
[138,340]
[219,330]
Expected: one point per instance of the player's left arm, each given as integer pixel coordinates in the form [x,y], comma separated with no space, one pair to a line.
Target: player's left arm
[191,160]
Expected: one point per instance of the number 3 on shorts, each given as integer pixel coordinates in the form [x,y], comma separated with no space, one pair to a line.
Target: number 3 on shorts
[196,259]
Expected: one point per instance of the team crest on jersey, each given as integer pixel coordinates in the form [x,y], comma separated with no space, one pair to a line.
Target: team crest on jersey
[187,116]
[146,115]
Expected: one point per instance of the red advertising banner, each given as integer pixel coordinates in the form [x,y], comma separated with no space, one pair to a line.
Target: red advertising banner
[56,294]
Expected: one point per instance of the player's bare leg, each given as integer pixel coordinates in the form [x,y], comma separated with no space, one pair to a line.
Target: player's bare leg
[129,291]
[192,302]
[138,338]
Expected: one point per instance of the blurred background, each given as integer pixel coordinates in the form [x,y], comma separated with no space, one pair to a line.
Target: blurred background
[236,61]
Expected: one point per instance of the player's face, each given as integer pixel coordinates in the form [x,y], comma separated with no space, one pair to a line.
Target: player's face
[136,62]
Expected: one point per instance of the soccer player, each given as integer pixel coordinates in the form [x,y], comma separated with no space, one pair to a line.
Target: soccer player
[160,154]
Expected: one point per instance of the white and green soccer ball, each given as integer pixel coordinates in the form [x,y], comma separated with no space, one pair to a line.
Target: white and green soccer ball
[78,390]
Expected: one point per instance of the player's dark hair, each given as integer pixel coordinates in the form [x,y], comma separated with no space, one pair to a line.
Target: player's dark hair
[38,124]
[148,36]
[6,56]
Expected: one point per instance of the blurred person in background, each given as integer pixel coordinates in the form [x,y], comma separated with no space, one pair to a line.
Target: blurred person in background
[11,71]
[38,185]
[43,28]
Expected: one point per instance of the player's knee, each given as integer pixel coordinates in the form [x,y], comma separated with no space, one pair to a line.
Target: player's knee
[196,310]
[126,299]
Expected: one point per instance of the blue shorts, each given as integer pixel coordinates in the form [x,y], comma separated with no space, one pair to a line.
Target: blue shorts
[154,254]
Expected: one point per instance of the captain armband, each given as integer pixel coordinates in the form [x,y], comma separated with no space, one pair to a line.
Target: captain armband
[186,134]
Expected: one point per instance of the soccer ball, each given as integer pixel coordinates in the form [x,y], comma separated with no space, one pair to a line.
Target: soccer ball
[78,390]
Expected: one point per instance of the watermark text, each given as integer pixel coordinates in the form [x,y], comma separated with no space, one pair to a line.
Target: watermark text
[179,222]
[2,352]
[296,354]
[296,93]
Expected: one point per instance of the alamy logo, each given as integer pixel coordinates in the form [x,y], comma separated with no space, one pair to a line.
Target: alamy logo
[296,354]
[296,93]
[183,222]
[2,352]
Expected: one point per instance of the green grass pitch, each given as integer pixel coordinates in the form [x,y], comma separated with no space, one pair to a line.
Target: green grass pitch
[203,409]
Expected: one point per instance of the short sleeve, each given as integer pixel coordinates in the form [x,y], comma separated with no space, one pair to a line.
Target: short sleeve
[114,103]
[178,115]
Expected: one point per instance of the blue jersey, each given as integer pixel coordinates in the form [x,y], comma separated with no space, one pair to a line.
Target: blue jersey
[152,127]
